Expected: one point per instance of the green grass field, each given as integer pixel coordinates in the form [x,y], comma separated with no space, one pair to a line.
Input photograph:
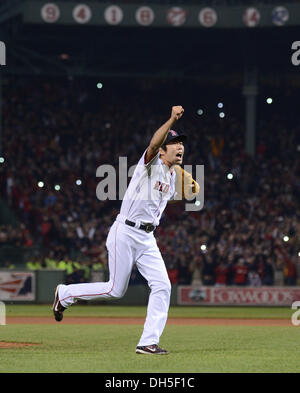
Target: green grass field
[108,310]
[110,348]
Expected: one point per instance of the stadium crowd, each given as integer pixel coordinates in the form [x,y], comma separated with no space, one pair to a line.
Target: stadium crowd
[57,133]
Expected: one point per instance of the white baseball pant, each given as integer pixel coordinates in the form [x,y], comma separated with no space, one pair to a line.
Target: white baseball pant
[128,245]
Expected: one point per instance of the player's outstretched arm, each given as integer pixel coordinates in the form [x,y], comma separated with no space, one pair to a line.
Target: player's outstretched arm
[160,135]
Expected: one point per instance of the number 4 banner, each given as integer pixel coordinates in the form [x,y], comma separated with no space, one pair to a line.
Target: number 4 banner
[82,13]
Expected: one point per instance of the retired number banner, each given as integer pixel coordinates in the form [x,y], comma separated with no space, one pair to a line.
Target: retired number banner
[156,15]
[17,286]
[237,296]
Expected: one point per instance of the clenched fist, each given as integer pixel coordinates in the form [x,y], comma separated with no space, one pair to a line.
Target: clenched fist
[177,112]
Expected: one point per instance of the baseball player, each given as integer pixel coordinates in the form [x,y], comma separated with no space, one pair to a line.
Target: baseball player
[131,239]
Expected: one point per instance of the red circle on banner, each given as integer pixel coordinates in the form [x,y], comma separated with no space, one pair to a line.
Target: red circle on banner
[176,16]
[113,15]
[50,13]
[208,17]
[82,13]
[251,17]
[144,16]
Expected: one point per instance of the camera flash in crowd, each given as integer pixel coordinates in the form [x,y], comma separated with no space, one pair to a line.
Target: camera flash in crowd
[2,160]
[286,238]
[200,112]
[230,176]
[197,203]
[99,85]
[40,184]
[220,105]
[269,100]
[78,182]
[57,187]
[221,115]
[299,254]
[203,247]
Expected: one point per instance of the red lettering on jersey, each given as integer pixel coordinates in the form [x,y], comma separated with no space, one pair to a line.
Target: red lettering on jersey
[161,187]
[157,185]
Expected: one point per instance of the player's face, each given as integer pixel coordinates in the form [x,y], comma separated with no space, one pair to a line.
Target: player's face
[174,153]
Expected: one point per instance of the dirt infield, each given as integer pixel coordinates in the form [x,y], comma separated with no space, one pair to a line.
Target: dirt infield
[141,321]
[4,344]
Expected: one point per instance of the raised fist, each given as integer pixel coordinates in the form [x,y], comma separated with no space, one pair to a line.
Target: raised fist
[177,112]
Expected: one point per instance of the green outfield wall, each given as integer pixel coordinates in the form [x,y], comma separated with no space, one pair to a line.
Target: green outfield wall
[38,287]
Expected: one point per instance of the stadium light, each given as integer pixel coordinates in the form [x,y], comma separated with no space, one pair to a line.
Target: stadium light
[57,187]
[40,184]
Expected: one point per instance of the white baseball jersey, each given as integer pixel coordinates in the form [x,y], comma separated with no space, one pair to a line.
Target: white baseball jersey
[151,187]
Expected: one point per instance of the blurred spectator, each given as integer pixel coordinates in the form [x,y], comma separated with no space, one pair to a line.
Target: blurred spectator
[172,270]
[268,272]
[208,270]
[184,271]
[222,273]
[240,272]
[254,279]
[8,265]
[76,277]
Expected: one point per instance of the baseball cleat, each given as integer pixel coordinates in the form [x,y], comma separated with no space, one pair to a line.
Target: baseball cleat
[57,308]
[151,350]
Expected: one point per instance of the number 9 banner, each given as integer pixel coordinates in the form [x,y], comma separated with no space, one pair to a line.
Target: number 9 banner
[50,13]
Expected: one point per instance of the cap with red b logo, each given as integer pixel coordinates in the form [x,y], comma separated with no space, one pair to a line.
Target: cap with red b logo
[175,136]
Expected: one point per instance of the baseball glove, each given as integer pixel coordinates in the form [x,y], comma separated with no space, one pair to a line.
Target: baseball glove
[186,187]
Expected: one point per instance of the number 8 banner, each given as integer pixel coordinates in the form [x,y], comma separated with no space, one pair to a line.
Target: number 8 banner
[144,16]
